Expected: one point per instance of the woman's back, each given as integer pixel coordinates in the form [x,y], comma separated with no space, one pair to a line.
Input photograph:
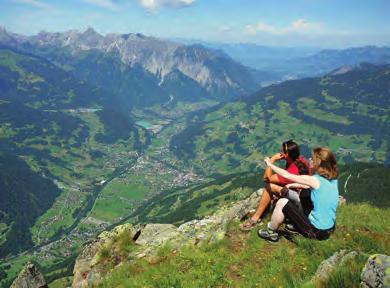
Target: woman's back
[325,201]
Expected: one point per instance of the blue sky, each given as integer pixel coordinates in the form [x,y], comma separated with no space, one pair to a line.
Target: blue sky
[320,23]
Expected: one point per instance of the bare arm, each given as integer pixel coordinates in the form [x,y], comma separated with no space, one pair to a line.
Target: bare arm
[296,185]
[268,171]
[300,179]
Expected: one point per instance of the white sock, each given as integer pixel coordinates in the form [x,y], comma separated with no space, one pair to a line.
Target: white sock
[269,226]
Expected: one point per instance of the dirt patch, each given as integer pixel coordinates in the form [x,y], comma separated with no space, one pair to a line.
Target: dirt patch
[237,240]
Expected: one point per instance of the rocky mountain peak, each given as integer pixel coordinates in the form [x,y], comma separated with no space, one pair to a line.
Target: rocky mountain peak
[213,70]
[5,37]
[90,32]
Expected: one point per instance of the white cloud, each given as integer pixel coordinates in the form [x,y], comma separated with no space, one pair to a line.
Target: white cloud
[107,4]
[298,26]
[35,3]
[154,5]
[225,28]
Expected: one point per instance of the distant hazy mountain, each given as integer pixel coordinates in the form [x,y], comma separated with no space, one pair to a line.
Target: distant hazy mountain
[218,74]
[257,56]
[290,63]
[297,62]
[327,60]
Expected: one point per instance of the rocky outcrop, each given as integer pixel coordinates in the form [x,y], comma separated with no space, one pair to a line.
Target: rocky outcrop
[90,269]
[29,277]
[328,265]
[376,272]
[86,270]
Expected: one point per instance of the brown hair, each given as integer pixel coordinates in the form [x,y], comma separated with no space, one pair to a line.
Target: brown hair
[292,150]
[325,163]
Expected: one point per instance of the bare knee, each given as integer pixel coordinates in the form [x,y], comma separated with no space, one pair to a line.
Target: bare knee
[281,203]
[274,188]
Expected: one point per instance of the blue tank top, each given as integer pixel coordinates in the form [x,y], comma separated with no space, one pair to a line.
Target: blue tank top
[325,201]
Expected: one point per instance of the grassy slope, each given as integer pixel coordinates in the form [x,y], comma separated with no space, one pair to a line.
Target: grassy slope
[244,260]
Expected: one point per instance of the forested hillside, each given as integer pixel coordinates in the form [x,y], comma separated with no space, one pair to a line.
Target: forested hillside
[338,111]
[51,140]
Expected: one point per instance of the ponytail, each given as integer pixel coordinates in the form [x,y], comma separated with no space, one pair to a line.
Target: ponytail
[303,169]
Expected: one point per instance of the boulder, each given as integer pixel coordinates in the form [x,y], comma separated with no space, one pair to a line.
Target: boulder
[376,272]
[29,277]
[86,270]
[153,236]
[327,266]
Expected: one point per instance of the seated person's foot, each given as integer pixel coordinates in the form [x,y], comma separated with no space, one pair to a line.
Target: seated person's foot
[249,224]
[291,229]
[268,234]
[248,214]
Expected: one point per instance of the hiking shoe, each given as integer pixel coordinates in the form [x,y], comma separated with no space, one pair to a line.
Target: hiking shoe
[291,229]
[268,234]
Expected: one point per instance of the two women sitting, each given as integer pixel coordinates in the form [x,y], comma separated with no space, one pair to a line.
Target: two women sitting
[324,195]
[274,183]
[319,221]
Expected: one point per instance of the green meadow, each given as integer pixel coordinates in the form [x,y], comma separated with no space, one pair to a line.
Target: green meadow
[117,198]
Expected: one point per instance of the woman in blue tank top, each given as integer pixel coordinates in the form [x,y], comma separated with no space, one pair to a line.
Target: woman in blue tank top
[324,195]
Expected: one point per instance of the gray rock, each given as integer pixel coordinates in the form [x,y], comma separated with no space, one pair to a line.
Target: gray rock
[326,266]
[376,272]
[86,270]
[29,277]
[155,234]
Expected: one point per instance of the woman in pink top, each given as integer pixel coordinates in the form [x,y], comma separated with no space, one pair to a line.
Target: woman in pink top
[295,164]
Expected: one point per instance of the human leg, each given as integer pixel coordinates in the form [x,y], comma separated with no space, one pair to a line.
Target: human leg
[305,199]
[265,199]
[270,233]
[299,220]
[278,216]
[293,196]
[268,191]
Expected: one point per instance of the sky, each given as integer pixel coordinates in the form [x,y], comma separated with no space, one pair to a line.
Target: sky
[293,23]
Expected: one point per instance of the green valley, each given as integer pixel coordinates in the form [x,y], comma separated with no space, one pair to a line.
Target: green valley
[329,111]
[96,131]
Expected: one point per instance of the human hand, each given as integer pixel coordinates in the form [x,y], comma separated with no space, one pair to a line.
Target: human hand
[267,161]
[277,157]
[284,192]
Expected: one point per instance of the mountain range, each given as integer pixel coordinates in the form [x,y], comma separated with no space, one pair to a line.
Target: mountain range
[138,66]
[298,62]
[96,129]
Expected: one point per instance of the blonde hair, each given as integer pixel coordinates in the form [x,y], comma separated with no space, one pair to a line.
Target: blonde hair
[325,163]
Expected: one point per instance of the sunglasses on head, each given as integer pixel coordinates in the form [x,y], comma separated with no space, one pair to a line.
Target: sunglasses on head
[285,146]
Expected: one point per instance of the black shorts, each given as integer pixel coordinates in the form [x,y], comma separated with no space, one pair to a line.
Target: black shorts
[306,203]
[302,223]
